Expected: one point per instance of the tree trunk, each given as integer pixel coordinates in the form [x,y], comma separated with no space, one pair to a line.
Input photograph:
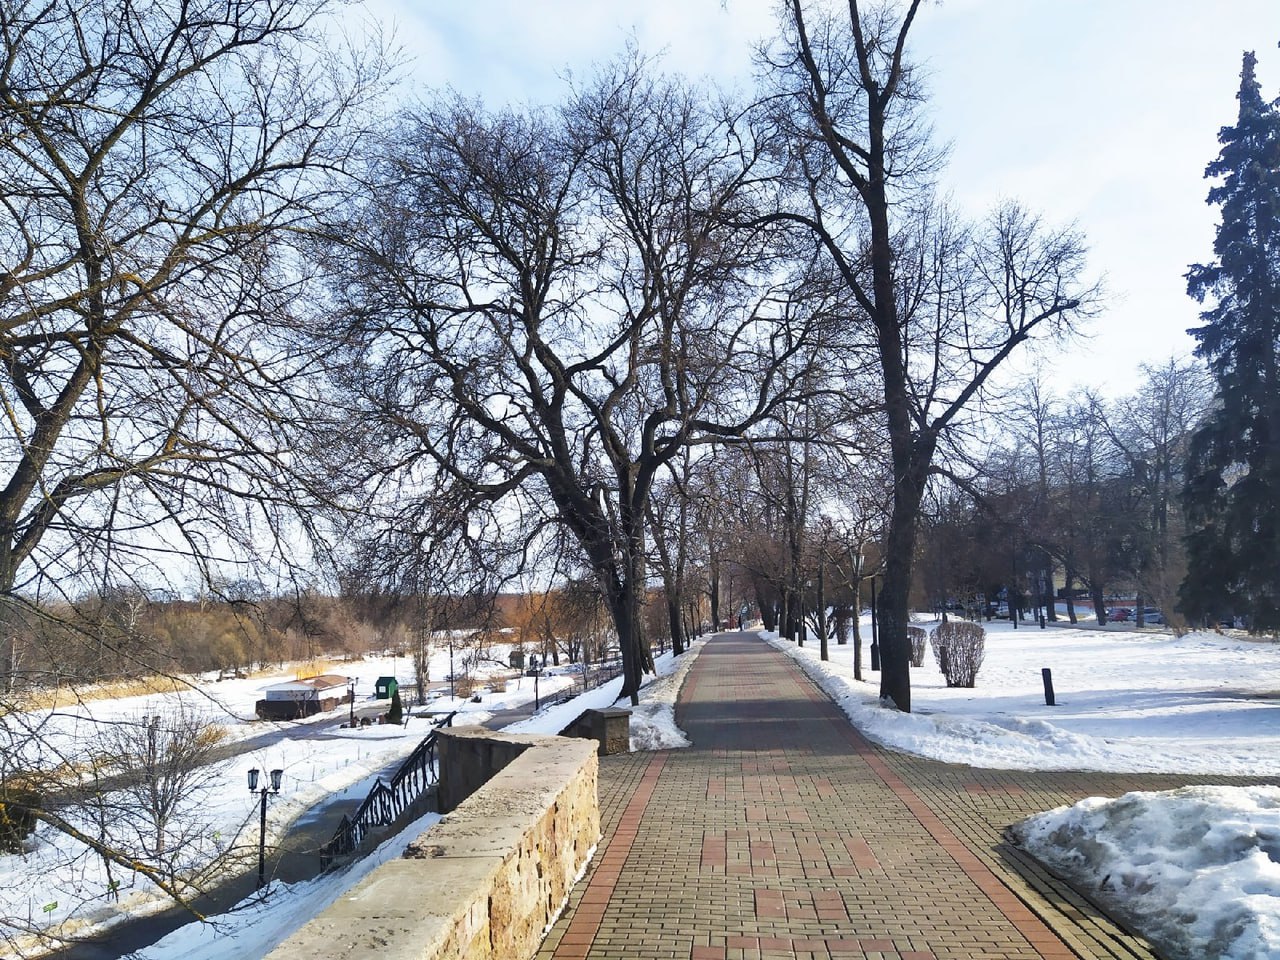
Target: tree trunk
[895,593]
[673,623]
[840,624]
[713,594]
[768,615]
[1051,604]
[822,612]
[1099,605]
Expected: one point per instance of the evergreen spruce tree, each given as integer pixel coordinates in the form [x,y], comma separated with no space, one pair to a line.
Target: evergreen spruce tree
[1232,491]
[396,712]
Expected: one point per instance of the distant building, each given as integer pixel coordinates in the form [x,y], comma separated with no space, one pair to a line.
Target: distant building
[296,699]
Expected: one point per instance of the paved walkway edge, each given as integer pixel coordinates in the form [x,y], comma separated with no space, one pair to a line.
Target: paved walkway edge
[589,911]
[1029,924]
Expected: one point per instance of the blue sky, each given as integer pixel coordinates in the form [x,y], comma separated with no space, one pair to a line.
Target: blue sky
[1101,112]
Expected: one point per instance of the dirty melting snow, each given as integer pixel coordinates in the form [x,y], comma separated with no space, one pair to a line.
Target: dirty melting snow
[1197,870]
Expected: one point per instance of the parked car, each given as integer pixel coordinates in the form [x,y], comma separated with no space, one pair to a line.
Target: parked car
[1152,615]
[1120,614]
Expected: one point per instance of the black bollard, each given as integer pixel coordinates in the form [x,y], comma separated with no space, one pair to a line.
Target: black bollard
[1048,687]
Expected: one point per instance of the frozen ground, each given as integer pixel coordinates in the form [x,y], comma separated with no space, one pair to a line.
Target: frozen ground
[57,881]
[1198,869]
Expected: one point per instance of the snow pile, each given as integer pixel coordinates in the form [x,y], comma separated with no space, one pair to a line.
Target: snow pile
[653,724]
[653,721]
[1196,870]
[259,924]
[1126,702]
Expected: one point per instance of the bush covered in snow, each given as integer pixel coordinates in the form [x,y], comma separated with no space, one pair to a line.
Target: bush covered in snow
[958,647]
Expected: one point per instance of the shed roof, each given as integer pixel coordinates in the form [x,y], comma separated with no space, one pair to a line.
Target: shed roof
[325,681]
[290,685]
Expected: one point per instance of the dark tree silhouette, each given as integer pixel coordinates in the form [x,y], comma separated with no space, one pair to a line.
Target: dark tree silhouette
[940,304]
[547,308]
[1233,477]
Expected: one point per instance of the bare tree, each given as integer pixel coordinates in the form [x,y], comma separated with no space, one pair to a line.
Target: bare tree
[941,305]
[1152,429]
[164,765]
[668,515]
[549,307]
[155,160]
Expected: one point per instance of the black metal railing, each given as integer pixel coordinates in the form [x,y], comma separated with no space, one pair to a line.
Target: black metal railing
[386,801]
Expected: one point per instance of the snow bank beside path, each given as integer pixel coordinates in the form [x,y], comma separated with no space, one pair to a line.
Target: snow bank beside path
[1126,703]
[1197,870]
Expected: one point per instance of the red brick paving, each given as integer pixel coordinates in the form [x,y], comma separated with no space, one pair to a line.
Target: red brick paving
[783,833]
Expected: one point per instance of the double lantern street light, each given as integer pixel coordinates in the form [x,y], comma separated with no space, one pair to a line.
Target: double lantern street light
[534,671]
[274,787]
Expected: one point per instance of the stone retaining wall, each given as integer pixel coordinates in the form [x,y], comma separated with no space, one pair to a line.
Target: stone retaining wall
[490,877]
[610,727]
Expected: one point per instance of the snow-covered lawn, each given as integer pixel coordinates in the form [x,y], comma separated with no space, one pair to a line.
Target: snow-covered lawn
[1197,869]
[1126,702]
[1202,861]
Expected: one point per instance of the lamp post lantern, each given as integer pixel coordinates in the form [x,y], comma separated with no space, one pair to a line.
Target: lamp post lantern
[272,787]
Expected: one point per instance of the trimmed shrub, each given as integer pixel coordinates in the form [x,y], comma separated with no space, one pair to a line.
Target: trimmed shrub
[918,638]
[958,648]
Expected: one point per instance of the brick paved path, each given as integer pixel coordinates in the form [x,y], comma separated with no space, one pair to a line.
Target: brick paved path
[782,833]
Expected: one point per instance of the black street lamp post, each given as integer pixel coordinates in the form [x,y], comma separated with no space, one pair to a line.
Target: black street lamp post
[351,698]
[875,632]
[800,631]
[274,787]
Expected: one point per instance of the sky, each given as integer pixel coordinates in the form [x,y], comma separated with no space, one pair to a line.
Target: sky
[1101,113]
[1126,701]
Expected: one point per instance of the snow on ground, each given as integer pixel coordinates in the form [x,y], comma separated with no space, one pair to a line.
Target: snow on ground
[1196,870]
[1126,702]
[258,924]
[57,881]
[323,761]
[1201,861]
[653,720]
